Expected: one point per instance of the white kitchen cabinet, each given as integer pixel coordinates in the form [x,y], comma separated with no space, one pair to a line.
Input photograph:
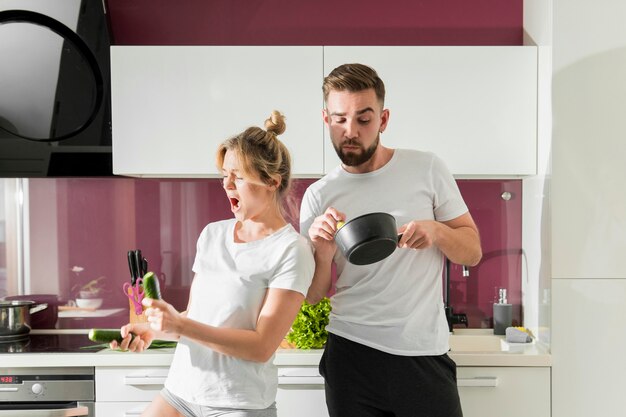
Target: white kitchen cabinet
[588,340]
[173,105]
[504,391]
[120,409]
[300,392]
[126,391]
[474,106]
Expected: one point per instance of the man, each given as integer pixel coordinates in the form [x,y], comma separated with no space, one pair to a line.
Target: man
[386,353]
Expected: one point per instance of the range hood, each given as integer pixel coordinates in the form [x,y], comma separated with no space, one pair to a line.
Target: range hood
[55,110]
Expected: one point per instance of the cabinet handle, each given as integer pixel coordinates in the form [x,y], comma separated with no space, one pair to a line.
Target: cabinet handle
[479,381]
[135,411]
[300,380]
[144,380]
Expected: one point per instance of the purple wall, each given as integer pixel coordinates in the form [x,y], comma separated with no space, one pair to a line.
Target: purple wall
[500,224]
[321,22]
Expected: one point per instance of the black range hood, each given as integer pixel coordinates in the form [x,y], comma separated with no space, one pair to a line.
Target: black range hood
[55,115]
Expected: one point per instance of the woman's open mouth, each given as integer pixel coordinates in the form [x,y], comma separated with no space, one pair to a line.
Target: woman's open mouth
[234,204]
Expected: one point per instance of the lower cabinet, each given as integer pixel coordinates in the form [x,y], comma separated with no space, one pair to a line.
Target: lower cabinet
[504,391]
[122,409]
[484,391]
[300,392]
[126,391]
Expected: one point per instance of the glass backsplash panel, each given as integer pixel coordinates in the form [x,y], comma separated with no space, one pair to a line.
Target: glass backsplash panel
[91,223]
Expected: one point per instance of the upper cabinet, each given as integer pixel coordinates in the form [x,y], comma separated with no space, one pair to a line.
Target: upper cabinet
[474,106]
[173,105]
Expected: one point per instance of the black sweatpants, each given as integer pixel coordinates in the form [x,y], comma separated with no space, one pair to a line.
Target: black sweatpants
[364,382]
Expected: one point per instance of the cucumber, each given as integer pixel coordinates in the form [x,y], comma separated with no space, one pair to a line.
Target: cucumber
[151,287]
[106,335]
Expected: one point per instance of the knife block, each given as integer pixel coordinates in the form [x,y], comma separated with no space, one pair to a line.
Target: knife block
[133,317]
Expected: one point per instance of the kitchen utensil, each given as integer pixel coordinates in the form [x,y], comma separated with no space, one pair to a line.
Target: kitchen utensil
[135,294]
[15,316]
[368,238]
[140,263]
[132,267]
[47,318]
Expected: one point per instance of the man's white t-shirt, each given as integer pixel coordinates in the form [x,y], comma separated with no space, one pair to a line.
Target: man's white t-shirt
[230,284]
[395,305]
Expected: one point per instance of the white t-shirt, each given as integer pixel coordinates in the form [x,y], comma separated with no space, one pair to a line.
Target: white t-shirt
[395,305]
[228,290]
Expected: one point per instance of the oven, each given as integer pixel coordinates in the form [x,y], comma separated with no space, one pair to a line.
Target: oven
[47,392]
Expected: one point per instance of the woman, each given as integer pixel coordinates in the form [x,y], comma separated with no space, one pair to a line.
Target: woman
[251,275]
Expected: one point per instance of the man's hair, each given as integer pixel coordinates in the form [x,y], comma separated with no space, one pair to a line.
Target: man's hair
[354,78]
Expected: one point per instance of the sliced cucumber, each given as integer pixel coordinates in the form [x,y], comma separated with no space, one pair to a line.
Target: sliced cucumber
[151,288]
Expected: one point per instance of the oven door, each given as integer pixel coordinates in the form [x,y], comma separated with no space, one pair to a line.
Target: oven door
[56,409]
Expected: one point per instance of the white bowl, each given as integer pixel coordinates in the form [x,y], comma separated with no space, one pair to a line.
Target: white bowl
[89,302]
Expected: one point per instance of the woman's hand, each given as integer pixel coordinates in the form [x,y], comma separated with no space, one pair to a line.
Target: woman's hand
[162,317]
[142,340]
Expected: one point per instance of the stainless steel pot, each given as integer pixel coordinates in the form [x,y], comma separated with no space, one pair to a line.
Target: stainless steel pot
[15,316]
[47,319]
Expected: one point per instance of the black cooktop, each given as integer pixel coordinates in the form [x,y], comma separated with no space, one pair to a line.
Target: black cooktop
[47,343]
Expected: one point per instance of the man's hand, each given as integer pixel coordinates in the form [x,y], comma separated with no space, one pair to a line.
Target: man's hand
[419,234]
[322,231]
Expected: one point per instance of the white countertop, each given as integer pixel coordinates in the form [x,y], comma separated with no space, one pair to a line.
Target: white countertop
[529,354]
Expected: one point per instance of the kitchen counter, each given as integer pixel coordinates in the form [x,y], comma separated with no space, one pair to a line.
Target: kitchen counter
[471,347]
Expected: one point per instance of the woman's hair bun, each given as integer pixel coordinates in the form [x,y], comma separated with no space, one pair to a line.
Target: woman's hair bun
[276,123]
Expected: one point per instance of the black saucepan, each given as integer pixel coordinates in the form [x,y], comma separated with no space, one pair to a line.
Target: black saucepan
[368,238]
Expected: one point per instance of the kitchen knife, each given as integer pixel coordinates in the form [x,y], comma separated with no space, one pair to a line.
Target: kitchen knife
[139,264]
[131,267]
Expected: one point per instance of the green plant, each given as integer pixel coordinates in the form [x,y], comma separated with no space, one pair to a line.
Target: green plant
[308,330]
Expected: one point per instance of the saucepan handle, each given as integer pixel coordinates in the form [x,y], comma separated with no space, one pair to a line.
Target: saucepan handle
[38,308]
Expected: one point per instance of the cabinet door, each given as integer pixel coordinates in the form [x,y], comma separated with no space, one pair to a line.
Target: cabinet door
[588,340]
[120,409]
[504,391]
[474,106]
[173,105]
[115,384]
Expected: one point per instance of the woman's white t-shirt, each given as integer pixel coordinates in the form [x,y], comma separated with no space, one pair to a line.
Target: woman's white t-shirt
[230,284]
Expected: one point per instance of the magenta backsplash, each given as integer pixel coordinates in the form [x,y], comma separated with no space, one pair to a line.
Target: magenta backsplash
[99,220]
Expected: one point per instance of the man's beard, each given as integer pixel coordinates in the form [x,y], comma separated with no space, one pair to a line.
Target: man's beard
[355,159]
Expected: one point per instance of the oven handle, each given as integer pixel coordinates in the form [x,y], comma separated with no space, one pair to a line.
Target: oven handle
[79,411]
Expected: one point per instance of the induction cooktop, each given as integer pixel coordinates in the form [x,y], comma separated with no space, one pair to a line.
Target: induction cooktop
[47,343]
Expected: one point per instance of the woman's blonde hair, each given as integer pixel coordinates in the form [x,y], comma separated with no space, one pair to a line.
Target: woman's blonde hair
[261,152]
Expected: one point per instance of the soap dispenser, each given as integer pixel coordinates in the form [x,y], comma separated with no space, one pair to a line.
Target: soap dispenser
[502,313]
